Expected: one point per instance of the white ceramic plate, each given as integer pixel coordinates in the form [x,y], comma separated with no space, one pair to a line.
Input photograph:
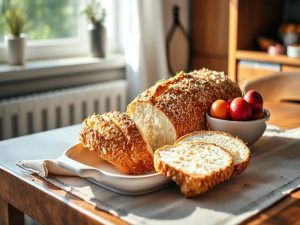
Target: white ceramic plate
[87,164]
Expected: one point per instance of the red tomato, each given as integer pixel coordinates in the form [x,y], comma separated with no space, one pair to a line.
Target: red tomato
[220,109]
[229,101]
[257,115]
[240,109]
[255,100]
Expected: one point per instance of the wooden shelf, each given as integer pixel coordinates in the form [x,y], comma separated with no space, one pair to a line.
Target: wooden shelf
[249,19]
[264,57]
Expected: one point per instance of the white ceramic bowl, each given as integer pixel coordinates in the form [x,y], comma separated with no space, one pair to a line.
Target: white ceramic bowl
[249,131]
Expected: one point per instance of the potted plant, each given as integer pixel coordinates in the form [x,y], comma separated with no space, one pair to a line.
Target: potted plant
[97,32]
[15,41]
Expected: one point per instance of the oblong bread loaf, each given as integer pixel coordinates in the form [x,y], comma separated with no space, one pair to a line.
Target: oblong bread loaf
[177,106]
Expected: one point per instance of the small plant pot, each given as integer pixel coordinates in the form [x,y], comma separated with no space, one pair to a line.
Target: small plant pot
[97,39]
[15,49]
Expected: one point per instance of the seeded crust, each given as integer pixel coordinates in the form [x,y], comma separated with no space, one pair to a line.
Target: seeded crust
[185,98]
[140,152]
[193,184]
[238,168]
[114,143]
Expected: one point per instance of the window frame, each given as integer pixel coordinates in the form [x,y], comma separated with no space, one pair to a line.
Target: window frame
[70,47]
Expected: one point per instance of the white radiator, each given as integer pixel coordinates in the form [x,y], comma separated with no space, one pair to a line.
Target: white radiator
[39,112]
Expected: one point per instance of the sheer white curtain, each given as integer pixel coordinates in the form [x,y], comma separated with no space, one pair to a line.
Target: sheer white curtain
[144,44]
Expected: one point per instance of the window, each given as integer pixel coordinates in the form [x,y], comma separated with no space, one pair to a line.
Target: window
[51,19]
[57,28]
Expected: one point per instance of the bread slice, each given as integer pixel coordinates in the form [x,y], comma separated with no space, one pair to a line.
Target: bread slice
[140,152]
[235,146]
[177,106]
[117,140]
[194,166]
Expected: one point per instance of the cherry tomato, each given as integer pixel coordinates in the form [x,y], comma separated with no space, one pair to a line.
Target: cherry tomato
[257,115]
[229,101]
[240,109]
[220,109]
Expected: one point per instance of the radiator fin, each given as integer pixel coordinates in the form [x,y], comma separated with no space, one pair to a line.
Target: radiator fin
[44,111]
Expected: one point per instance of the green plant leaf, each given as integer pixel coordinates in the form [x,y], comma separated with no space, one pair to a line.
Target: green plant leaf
[15,19]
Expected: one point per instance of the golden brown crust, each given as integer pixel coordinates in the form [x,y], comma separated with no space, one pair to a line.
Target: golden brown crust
[104,138]
[140,152]
[185,98]
[101,134]
[190,184]
[238,168]
[183,104]
[222,86]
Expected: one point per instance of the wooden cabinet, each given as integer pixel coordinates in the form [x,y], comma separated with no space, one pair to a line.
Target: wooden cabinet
[224,36]
[286,68]
[249,19]
[209,27]
[249,70]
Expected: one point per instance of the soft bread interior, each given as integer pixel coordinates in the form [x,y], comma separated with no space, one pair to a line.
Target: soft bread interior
[195,158]
[155,126]
[234,146]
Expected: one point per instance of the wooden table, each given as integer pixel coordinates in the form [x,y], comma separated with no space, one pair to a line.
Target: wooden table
[22,192]
[287,116]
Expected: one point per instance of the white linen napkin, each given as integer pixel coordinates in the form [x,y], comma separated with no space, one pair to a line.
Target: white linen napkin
[273,173]
[44,167]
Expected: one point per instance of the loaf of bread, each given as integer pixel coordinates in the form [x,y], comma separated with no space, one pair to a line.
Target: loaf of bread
[177,106]
[236,147]
[194,166]
[117,140]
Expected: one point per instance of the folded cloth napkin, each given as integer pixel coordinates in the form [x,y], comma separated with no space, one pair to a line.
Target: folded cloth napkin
[44,167]
[273,173]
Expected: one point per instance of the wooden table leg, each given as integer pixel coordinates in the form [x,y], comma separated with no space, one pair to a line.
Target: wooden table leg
[9,215]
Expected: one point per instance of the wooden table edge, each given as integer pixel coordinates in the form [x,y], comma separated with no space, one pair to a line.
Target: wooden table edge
[84,213]
[270,214]
[14,187]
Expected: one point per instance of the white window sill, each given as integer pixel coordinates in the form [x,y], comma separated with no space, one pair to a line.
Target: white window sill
[47,75]
[58,67]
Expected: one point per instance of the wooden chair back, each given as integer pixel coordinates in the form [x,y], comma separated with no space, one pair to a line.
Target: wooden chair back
[278,87]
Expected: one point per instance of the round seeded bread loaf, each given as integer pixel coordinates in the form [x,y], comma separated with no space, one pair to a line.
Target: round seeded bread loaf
[235,146]
[117,140]
[194,166]
[177,106]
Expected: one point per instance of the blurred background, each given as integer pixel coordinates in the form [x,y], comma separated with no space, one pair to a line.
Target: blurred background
[61,60]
